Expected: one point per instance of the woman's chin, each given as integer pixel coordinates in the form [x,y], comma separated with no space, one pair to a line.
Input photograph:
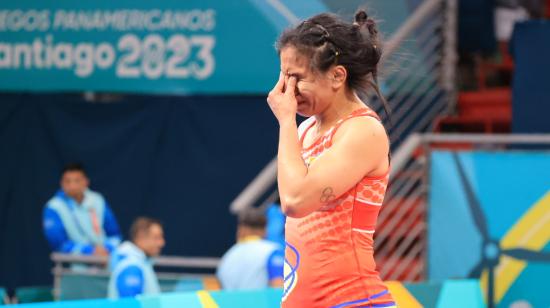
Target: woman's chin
[304,111]
[304,114]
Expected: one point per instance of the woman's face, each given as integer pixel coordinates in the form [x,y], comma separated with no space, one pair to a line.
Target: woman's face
[313,90]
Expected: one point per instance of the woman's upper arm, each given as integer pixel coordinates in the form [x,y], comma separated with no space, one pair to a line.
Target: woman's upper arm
[359,148]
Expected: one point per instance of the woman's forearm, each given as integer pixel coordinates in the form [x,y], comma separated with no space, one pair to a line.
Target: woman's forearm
[291,168]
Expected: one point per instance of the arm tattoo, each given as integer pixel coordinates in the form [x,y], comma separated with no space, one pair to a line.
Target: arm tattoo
[327,195]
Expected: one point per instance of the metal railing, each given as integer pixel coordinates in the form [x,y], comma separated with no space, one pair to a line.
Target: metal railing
[400,241]
[96,266]
[419,69]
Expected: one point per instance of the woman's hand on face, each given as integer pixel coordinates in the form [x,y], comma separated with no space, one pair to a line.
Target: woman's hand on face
[282,99]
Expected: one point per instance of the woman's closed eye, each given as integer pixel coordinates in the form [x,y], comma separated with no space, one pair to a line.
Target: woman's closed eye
[297,76]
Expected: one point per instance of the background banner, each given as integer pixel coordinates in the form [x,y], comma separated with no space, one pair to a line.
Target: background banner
[164,46]
[485,206]
[171,46]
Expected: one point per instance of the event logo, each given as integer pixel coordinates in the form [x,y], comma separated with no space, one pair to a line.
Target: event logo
[150,55]
[292,261]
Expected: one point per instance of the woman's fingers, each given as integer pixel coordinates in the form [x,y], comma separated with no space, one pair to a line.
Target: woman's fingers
[290,87]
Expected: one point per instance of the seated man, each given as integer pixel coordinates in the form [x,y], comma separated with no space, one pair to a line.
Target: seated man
[253,262]
[77,220]
[131,268]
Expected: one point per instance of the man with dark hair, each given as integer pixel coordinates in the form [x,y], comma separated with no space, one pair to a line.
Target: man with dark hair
[78,220]
[131,267]
[253,262]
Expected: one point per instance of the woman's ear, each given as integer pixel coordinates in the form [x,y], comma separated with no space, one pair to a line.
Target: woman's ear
[338,76]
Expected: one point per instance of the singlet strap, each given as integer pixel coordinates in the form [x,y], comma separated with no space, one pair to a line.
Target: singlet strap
[304,132]
[363,112]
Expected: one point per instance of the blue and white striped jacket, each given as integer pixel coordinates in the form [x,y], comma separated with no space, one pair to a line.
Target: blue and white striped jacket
[69,226]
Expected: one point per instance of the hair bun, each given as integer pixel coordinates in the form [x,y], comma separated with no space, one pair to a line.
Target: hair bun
[371,25]
[361,17]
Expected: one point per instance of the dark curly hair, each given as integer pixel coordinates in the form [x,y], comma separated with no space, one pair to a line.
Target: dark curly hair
[327,40]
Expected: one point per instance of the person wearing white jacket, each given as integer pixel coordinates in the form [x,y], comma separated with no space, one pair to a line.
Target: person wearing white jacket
[131,266]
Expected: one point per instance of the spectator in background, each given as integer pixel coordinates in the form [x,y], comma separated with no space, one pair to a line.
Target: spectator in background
[508,12]
[131,267]
[78,220]
[275,227]
[253,262]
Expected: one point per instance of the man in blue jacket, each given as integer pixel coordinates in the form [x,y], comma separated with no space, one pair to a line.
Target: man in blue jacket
[131,265]
[78,220]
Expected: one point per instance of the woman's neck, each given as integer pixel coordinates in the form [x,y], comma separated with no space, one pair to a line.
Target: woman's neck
[341,107]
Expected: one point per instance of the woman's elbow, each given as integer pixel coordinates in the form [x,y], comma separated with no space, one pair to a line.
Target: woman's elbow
[288,210]
[293,207]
